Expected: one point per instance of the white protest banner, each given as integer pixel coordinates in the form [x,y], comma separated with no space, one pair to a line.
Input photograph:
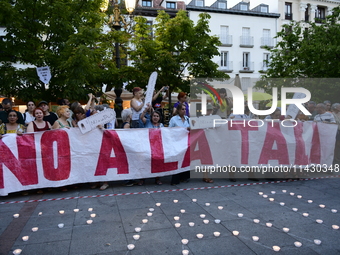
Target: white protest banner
[94,120]
[150,89]
[256,143]
[63,156]
[44,74]
[203,121]
[293,110]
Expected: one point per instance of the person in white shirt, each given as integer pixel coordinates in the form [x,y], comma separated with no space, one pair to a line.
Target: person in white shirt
[28,115]
[323,115]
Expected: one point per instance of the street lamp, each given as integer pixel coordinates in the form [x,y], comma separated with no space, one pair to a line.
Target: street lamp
[115,22]
[116,19]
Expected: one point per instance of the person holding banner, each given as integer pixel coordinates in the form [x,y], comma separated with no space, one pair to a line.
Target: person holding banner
[78,115]
[126,118]
[323,115]
[28,115]
[12,127]
[180,120]
[63,113]
[153,122]
[39,124]
[136,106]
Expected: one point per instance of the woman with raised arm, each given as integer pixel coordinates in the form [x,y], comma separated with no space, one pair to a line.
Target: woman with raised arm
[12,127]
[154,121]
[136,106]
[39,124]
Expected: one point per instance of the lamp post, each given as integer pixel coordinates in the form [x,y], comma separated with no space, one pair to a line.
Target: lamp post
[116,22]
[117,19]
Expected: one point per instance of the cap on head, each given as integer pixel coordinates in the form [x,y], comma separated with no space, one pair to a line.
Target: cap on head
[42,102]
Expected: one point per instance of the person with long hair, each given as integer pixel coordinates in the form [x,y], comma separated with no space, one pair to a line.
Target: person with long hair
[12,127]
[153,122]
[28,115]
[180,120]
[136,106]
[39,124]
[224,109]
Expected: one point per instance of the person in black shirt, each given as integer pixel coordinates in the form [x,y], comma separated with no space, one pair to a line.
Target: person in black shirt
[51,117]
[7,106]
[157,100]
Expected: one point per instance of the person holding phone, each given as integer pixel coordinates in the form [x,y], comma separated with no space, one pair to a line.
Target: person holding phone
[158,97]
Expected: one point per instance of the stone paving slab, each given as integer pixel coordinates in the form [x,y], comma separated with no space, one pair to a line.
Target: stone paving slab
[116,218]
[99,237]
[51,248]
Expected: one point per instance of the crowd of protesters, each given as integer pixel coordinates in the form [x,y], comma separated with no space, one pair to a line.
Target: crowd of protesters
[140,115]
[38,117]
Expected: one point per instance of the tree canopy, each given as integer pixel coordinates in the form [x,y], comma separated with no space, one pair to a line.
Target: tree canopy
[176,48]
[69,37]
[65,35]
[307,53]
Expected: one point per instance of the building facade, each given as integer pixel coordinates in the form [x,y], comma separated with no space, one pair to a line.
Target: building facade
[245,34]
[300,10]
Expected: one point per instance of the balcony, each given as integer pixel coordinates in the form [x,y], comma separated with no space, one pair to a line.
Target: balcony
[226,40]
[247,68]
[267,42]
[246,41]
[228,68]
[289,16]
[264,66]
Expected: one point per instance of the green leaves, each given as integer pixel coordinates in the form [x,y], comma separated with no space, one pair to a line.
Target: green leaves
[65,35]
[308,53]
[179,48]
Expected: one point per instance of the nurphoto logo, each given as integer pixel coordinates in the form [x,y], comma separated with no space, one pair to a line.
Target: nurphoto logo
[238,100]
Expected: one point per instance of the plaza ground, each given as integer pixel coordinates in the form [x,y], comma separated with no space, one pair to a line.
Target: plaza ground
[118,211]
